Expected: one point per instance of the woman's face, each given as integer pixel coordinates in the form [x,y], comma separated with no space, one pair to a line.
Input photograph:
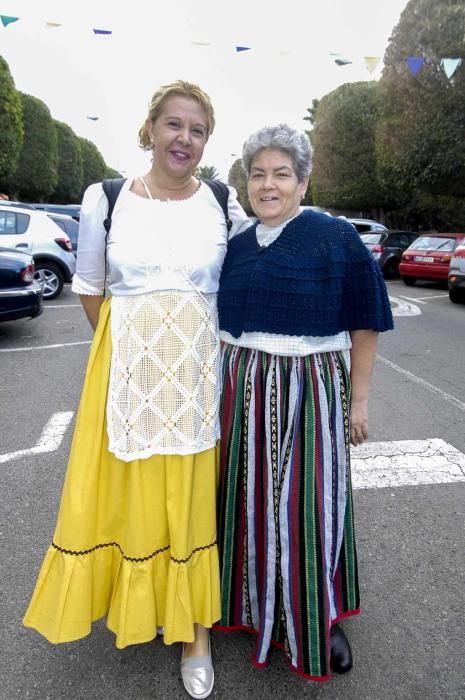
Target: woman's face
[274,191]
[178,135]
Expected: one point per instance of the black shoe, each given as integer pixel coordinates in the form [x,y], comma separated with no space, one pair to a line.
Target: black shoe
[341,653]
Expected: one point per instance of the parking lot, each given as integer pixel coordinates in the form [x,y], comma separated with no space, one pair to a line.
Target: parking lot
[408,642]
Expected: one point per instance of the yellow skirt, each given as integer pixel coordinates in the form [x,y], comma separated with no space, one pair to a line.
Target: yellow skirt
[135,542]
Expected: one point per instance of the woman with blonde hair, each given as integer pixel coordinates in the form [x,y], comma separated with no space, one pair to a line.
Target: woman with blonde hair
[135,540]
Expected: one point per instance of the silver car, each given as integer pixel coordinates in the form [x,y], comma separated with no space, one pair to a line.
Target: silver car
[33,232]
[456,278]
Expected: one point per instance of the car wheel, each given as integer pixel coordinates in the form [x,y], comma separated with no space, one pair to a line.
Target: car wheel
[409,281]
[50,277]
[391,268]
[456,296]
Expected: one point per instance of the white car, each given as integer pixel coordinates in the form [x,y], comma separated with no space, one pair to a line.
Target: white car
[456,278]
[367,225]
[34,233]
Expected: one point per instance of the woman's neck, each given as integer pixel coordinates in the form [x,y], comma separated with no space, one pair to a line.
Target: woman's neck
[163,186]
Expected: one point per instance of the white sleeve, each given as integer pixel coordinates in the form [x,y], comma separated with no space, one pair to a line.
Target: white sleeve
[90,263]
[237,215]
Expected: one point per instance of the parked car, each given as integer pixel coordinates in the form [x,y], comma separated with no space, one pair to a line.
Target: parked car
[73,210]
[428,258]
[366,225]
[387,248]
[20,293]
[33,232]
[21,205]
[69,225]
[456,280]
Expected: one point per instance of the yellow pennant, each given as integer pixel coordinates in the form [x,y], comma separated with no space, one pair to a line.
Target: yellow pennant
[372,62]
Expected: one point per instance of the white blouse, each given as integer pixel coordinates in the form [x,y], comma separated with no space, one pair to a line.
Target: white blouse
[164,264]
[288,345]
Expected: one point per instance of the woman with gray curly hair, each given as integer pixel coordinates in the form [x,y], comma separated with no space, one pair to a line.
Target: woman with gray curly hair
[301,303]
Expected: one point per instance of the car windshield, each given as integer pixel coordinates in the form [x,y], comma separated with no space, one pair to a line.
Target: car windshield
[371,237]
[434,243]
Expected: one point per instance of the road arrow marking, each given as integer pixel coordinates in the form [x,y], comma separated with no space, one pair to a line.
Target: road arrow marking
[404,308]
[378,465]
[49,441]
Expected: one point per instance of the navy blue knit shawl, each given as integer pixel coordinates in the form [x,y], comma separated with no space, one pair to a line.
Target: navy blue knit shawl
[317,278]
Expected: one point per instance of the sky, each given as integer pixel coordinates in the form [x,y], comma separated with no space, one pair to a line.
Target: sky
[78,74]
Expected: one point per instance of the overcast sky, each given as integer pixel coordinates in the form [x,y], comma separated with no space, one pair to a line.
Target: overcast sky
[78,74]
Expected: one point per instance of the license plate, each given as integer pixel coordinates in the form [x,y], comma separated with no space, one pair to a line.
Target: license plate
[423,258]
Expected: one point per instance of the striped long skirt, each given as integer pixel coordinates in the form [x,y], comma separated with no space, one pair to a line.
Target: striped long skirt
[286,533]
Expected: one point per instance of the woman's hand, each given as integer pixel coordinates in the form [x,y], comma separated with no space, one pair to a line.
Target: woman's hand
[359,421]
[362,356]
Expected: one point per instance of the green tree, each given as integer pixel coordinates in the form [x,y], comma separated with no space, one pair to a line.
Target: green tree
[93,165]
[37,173]
[237,178]
[11,125]
[70,172]
[344,164]
[110,174]
[420,136]
[208,172]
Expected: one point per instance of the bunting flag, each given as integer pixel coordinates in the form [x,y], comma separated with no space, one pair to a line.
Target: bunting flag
[53,24]
[415,63]
[94,119]
[6,20]
[450,65]
[201,43]
[339,60]
[372,63]
[242,48]
[104,32]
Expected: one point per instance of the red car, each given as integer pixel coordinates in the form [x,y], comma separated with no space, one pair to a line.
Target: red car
[428,257]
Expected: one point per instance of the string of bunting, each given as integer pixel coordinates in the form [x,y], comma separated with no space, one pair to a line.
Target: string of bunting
[414,63]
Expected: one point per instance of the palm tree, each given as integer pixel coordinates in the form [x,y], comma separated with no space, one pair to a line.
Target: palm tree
[208,172]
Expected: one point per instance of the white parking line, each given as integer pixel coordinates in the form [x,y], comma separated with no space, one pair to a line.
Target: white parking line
[378,465]
[49,441]
[443,394]
[63,306]
[46,347]
[403,308]
[420,301]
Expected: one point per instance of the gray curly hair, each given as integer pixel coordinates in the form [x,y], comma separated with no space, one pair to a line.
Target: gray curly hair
[295,143]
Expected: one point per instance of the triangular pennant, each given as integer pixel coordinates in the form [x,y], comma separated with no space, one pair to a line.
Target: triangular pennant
[53,24]
[6,20]
[450,65]
[94,119]
[242,48]
[415,63]
[339,60]
[102,31]
[201,43]
[372,62]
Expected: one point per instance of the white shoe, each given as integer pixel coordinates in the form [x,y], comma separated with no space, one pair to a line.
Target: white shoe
[197,674]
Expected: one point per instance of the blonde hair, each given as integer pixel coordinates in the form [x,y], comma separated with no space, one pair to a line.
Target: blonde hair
[183,89]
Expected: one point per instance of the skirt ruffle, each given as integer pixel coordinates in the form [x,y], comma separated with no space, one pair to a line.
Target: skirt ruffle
[135,542]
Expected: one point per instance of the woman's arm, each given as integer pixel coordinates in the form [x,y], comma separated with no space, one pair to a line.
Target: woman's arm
[363,353]
[92,306]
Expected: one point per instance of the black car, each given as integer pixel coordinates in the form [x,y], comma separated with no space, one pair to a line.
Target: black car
[387,248]
[72,210]
[20,293]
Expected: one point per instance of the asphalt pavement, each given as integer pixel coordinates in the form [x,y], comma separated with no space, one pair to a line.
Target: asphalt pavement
[409,641]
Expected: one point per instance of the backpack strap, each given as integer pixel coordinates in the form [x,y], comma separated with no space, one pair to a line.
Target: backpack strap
[111,188]
[221,193]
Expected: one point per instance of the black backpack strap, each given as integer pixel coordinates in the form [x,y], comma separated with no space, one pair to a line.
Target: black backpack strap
[111,188]
[221,192]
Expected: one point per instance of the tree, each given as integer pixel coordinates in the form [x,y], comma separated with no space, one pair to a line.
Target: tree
[93,165]
[208,172]
[237,178]
[110,173]
[420,137]
[11,125]
[37,173]
[344,165]
[70,172]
